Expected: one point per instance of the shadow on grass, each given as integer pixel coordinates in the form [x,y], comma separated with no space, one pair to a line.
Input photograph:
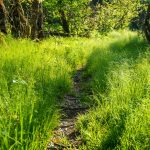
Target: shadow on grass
[116,131]
[118,52]
[31,108]
[100,62]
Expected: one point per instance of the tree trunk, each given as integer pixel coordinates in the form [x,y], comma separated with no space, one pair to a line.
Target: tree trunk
[19,24]
[37,20]
[147,24]
[95,2]
[65,24]
[3,13]
[64,21]
[34,19]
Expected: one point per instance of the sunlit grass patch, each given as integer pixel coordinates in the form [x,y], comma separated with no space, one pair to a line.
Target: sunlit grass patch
[35,76]
[33,79]
[120,83]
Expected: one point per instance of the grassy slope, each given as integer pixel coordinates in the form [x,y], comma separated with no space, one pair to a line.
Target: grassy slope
[120,71]
[33,79]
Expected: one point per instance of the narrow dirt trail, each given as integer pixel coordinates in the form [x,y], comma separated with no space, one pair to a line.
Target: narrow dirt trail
[65,135]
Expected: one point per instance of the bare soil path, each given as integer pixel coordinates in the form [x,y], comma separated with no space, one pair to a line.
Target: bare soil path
[65,135]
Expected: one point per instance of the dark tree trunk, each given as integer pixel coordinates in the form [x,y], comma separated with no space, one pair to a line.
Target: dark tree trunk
[95,2]
[40,22]
[37,20]
[65,24]
[19,24]
[3,15]
[64,21]
[34,19]
[147,24]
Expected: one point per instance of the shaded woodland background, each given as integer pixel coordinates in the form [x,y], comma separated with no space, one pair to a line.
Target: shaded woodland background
[38,18]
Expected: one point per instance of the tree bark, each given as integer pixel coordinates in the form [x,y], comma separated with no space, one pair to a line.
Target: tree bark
[64,21]
[147,24]
[37,20]
[19,24]
[95,2]
[3,17]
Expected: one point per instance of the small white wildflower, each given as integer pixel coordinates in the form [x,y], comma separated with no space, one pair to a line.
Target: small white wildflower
[20,81]
[14,81]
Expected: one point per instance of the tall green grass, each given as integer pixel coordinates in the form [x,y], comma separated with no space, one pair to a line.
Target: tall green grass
[120,71]
[35,76]
[33,79]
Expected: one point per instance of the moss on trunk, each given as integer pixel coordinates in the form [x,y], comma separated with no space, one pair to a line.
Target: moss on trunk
[3,15]
[19,24]
[37,20]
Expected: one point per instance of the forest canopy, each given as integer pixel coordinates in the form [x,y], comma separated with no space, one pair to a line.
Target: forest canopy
[39,18]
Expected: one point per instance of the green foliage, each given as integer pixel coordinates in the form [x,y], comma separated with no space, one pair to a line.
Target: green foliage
[1,38]
[33,80]
[121,92]
[117,14]
[35,76]
[84,18]
[77,14]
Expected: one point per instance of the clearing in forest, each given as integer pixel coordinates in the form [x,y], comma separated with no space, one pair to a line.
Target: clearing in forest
[44,86]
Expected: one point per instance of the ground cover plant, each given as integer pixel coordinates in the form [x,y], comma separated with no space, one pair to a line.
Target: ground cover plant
[33,79]
[35,76]
[120,72]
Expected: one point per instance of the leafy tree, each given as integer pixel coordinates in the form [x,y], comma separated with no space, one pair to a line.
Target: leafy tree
[117,14]
[71,17]
[83,17]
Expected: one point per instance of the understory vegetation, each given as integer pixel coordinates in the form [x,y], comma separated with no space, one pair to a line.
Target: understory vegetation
[35,76]
[33,80]
[120,83]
